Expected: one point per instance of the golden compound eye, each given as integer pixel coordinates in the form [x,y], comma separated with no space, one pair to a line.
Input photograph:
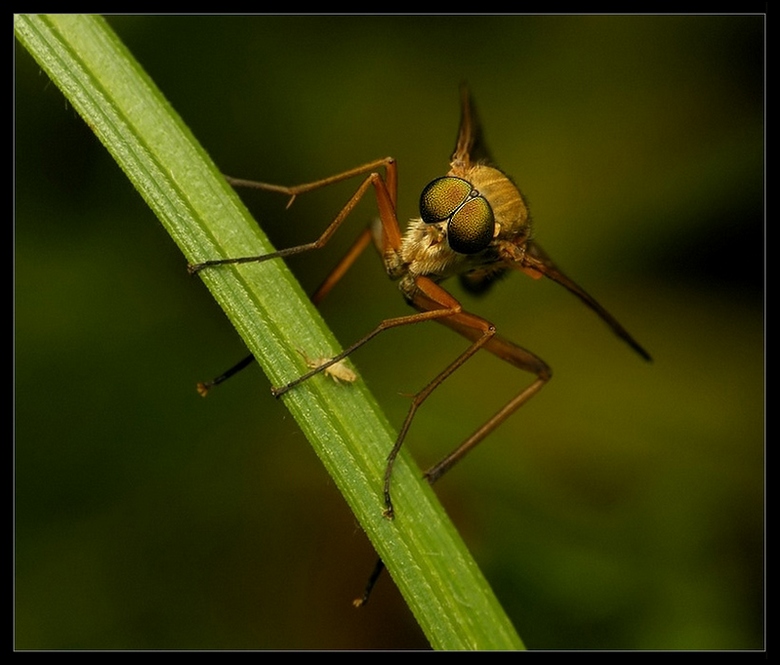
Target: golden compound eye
[471,227]
[442,197]
[470,218]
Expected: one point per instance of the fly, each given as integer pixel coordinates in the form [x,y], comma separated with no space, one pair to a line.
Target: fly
[474,224]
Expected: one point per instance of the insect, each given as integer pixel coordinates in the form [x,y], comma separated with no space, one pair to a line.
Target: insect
[337,371]
[473,224]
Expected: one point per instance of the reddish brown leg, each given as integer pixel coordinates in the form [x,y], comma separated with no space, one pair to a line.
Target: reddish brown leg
[482,335]
[387,163]
[385,191]
[361,242]
[514,355]
[432,297]
[384,325]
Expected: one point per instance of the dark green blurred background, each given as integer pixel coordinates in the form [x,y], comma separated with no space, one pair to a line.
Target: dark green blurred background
[622,508]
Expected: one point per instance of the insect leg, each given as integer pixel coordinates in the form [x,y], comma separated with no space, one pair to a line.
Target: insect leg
[384,325]
[379,566]
[386,190]
[388,163]
[482,335]
[361,242]
[514,355]
[432,298]
[205,386]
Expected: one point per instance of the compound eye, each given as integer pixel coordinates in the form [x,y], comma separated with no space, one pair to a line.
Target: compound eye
[471,228]
[442,197]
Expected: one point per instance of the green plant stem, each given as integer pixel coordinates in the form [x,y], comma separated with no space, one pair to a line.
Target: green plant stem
[424,554]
